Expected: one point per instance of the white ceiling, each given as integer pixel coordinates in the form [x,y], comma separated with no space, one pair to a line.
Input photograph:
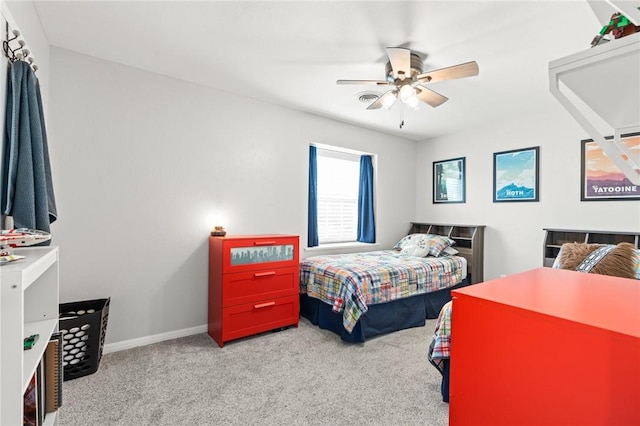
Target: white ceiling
[291,53]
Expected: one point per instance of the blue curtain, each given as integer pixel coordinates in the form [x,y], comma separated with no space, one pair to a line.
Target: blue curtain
[27,189]
[366,221]
[312,231]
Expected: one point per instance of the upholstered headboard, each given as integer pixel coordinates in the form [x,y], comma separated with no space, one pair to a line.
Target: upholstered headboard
[469,241]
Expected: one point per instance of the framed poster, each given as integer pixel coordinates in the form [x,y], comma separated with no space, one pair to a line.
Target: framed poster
[515,175]
[449,181]
[601,179]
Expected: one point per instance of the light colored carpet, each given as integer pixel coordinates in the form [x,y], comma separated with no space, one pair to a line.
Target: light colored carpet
[298,376]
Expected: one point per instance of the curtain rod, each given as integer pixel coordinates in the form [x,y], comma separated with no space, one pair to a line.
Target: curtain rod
[20,52]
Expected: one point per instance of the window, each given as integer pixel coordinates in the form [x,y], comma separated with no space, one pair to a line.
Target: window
[340,197]
[338,181]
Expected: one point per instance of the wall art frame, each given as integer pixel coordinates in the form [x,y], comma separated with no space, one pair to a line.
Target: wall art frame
[449,181]
[600,178]
[516,175]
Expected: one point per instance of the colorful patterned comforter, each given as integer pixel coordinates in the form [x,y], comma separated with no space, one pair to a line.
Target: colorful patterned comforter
[441,345]
[351,282]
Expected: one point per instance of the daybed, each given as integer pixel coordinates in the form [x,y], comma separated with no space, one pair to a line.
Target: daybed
[598,252]
[361,295]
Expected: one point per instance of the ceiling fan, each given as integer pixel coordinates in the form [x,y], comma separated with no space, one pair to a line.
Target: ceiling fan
[404,75]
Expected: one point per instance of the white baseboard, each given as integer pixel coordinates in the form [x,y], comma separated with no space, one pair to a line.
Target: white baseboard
[156,338]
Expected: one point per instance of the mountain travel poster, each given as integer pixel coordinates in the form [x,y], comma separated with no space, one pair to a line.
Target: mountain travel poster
[602,180]
[515,175]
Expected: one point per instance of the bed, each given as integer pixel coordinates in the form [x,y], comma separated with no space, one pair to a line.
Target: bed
[362,295]
[599,252]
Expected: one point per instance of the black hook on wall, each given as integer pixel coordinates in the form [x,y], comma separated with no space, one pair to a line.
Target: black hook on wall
[19,53]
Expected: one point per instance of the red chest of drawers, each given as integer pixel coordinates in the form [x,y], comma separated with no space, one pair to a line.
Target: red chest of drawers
[253,285]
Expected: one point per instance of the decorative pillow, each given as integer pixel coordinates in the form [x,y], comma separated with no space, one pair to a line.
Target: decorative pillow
[438,243]
[449,251]
[618,261]
[405,240]
[417,246]
[637,264]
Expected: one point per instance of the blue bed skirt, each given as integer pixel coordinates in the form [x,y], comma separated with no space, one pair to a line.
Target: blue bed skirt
[379,319]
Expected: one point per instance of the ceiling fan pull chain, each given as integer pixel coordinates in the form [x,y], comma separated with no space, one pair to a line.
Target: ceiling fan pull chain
[401,116]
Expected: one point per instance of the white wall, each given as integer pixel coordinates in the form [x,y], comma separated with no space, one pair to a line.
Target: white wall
[145,165]
[514,234]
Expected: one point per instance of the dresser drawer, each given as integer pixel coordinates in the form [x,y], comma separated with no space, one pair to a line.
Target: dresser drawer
[249,253]
[247,287]
[251,318]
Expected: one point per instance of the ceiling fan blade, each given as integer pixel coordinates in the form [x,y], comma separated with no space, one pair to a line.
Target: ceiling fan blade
[468,69]
[400,59]
[430,97]
[385,100]
[376,82]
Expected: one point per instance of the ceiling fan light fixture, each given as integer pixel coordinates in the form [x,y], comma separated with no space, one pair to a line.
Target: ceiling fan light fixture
[412,102]
[388,99]
[404,74]
[407,92]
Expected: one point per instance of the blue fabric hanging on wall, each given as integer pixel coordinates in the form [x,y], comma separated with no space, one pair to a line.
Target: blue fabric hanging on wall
[312,224]
[27,187]
[366,220]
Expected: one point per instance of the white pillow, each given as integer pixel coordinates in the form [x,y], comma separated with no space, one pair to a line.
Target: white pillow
[417,246]
[450,251]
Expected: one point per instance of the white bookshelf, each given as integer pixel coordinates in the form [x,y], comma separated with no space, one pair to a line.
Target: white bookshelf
[28,305]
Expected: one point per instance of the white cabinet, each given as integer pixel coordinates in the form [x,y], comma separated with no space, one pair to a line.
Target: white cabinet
[28,305]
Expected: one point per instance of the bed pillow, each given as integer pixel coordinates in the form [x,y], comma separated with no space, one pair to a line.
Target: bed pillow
[616,260]
[449,251]
[417,246]
[405,240]
[438,243]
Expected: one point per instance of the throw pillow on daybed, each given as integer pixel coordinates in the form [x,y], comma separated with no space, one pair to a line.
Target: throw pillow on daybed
[616,260]
[417,246]
[437,243]
[404,241]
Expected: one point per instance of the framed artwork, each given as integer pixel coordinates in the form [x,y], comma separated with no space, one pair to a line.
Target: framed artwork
[601,179]
[449,181]
[515,175]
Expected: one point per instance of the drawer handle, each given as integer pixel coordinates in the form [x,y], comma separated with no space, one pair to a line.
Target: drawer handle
[264,274]
[264,305]
[263,243]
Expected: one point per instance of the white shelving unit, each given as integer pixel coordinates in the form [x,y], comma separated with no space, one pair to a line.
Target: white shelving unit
[600,88]
[28,305]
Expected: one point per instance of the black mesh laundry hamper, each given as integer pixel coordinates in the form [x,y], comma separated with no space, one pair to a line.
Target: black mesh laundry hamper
[84,326]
